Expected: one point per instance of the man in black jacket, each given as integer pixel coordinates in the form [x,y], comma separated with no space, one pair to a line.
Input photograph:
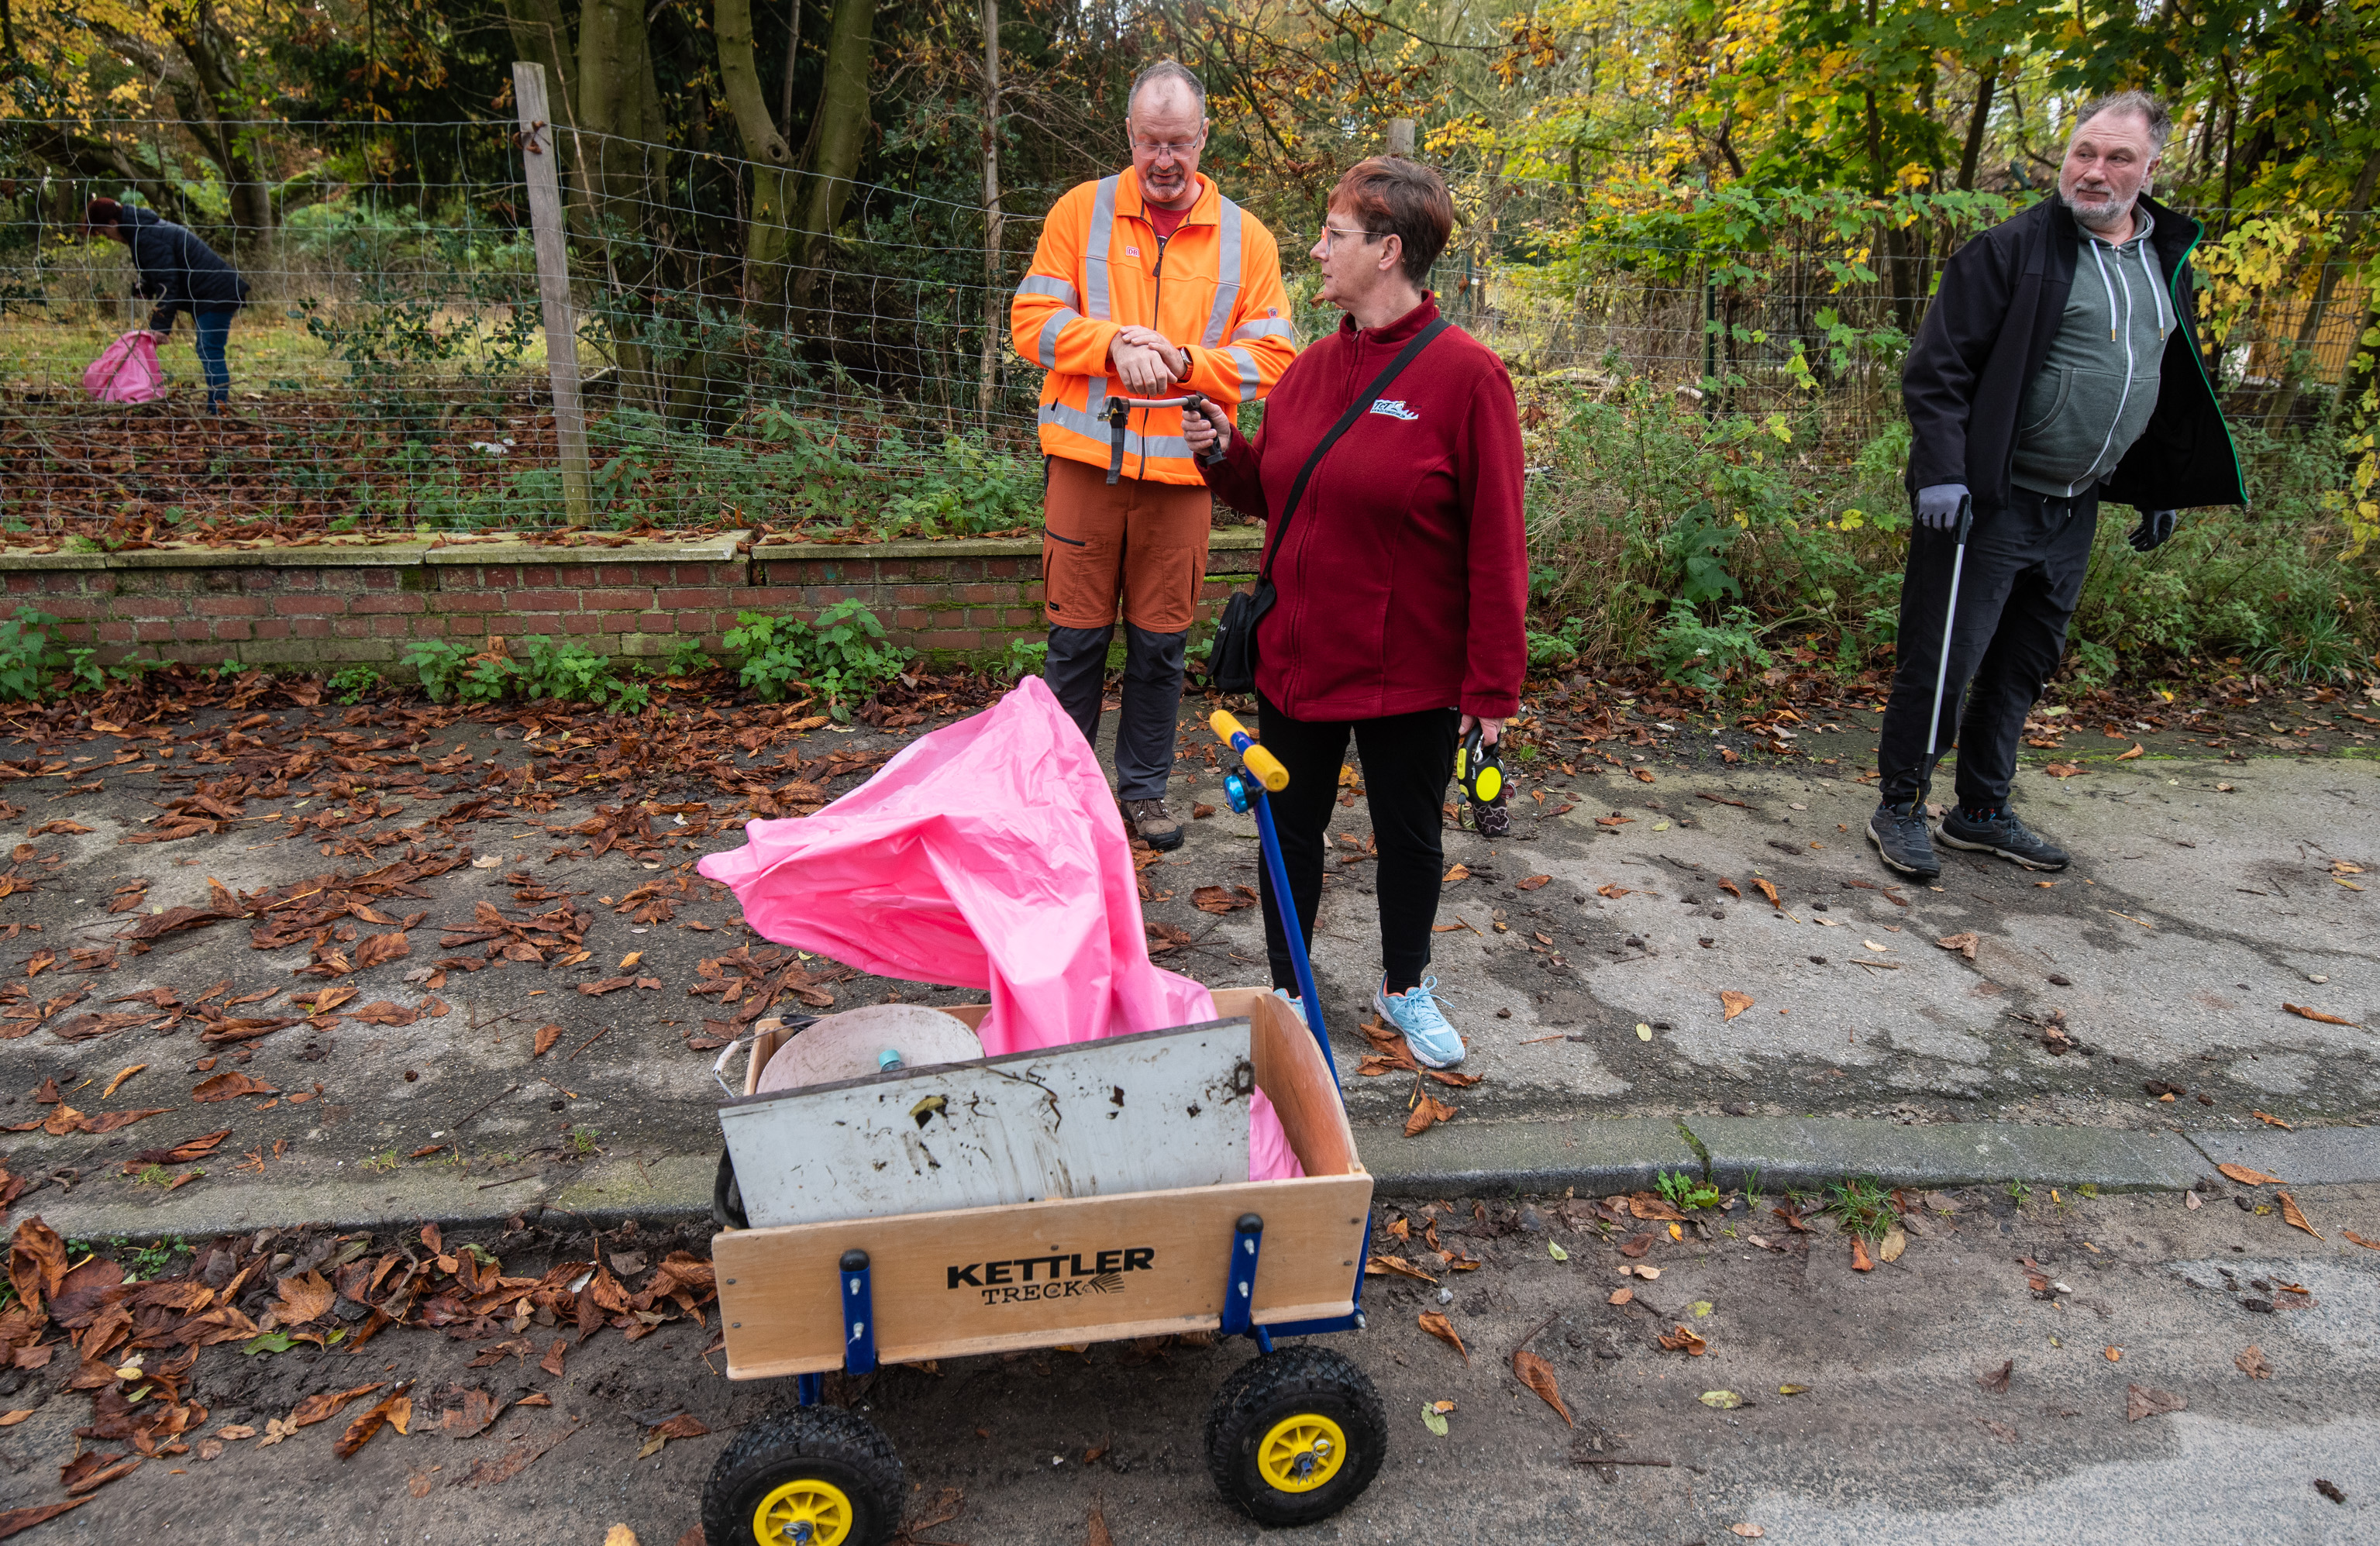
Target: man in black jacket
[180,273]
[2057,364]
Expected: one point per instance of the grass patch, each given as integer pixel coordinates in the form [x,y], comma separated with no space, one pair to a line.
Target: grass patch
[1863,1207]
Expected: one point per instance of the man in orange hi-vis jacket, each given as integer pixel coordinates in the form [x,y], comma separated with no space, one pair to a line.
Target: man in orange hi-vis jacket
[1148,284]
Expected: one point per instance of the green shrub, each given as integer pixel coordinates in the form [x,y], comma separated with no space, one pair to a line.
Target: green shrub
[841,656]
[28,659]
[569,671]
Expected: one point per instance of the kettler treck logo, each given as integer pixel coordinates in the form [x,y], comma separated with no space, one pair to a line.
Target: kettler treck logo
[1393,407]
[1063,1276]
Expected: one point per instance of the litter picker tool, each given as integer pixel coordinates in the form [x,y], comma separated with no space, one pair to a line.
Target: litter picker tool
[1942,665]
[1119,410]
[1260,772]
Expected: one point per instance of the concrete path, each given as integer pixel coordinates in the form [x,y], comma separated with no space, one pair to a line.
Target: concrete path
[2208,892]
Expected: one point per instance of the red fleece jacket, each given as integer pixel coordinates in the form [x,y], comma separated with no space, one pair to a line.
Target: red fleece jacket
[1403,582]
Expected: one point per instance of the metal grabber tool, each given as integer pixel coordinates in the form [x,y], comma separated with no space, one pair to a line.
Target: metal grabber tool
[1119,410]
[1261,771]
[1942,664]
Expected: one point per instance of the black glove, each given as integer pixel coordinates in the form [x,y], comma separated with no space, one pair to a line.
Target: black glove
[1938,505]
[2156,526]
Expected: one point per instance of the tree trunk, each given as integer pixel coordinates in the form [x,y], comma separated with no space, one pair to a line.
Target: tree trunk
[841,135]
[212,58]
[768,225]
[620,156]
[2358,204]
[1976,123]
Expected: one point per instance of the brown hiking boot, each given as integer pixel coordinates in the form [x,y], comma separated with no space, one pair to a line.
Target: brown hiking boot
[1153,824]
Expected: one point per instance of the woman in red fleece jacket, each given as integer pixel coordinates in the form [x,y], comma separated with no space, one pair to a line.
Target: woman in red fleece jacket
[1401,577]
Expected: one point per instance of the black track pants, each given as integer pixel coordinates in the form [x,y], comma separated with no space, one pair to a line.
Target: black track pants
[1076,670]
[2017,591]
[1408,761]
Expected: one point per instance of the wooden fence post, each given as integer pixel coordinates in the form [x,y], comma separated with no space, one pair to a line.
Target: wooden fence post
[537,143]
[995,305]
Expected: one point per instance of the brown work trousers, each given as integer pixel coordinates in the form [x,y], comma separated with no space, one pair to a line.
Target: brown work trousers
[1145,541]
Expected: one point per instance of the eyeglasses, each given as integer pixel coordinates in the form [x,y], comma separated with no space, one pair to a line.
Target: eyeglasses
[1331,235]
[1163,150]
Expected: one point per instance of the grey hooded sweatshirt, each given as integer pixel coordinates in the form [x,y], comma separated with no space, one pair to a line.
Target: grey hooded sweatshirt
[2098,388]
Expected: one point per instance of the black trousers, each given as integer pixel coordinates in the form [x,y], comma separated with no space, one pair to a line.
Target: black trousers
[1408,761]
[2017,591]
[1078,667]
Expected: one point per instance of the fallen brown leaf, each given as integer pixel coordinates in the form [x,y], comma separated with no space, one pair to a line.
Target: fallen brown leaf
[1681,1340]
[2252,1363]
[2304,1013]
[1768,891]
[1963,944]
[472,1418]
[1860,1262]
[16,1521]
[2128,756]
[116,1083]
[1538,1375]
[1995,1382]
[1441,1328]
[1621,1296]
[393,1410]
[2294,1216]
[1396,1265]
[1218,900]
[546,1037]
[321,1407]
[2367,1244]
[1427,1112]
[2272,1121]
[1736,1002]
[1531,883]
[2248,1177]
[230,1086]
[2143,1402]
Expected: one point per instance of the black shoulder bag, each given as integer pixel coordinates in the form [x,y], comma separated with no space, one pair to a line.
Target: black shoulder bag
[1232,662]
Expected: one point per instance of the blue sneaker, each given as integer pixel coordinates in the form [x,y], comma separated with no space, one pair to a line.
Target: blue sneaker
[1415,1015]
[1292,1000]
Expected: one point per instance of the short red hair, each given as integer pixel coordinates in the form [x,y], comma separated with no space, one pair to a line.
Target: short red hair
[1403,198]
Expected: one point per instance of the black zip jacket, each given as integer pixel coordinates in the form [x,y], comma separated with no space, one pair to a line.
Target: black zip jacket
[178,271]
[2000,303]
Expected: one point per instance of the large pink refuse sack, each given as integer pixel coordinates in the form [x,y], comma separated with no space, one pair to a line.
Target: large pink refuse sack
[127,370]
[987,855]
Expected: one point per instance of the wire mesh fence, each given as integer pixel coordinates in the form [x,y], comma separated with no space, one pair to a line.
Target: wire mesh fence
[389,371]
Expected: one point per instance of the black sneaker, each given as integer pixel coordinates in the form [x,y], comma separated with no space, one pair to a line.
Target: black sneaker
[1900,835]
[2003,834]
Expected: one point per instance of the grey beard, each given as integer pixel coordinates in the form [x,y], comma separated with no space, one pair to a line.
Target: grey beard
[2098,218]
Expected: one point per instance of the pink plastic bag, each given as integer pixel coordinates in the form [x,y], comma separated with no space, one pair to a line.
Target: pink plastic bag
[987,855]
[127,370]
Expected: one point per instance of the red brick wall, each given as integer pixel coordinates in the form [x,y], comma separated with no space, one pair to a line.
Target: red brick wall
[297,609]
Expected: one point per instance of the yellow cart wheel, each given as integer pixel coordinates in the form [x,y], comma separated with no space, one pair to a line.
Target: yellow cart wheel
[1295,1435]
[805,1476]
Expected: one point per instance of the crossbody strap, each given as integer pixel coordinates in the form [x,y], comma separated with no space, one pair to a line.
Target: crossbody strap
[1356,411]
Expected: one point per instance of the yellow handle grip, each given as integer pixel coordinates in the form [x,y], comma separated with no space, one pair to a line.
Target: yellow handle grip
[1255,757]
[1265,766]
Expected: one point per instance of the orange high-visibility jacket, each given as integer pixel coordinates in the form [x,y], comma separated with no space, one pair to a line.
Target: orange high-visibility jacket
[1214,290]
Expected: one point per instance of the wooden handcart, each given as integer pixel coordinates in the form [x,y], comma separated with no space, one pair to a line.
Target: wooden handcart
[1294,1435]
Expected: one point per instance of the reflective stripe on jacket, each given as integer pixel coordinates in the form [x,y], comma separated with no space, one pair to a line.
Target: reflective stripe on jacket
[1213,289]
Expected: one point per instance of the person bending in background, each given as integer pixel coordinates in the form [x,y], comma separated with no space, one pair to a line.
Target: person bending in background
[180,273]
[1401,578]
[2057,363]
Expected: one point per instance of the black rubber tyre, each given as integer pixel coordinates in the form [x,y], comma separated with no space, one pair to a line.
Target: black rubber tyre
[790,1443]
[1285,1384]
[726,1197]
